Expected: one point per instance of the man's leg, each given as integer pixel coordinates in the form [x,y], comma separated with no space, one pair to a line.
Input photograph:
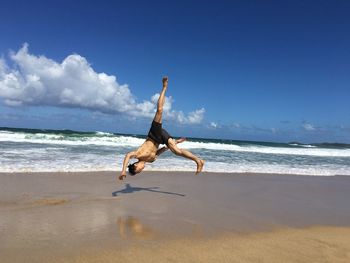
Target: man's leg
[187,154]
[161,100]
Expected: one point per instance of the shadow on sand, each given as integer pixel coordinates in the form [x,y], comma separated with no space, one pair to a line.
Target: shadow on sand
[131,189]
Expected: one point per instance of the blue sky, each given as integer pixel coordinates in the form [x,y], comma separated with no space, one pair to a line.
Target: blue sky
[255,70]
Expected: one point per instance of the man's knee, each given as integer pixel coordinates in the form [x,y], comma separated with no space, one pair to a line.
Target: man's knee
[160,110]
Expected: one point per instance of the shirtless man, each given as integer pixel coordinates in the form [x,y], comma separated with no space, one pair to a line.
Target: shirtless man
[148,151]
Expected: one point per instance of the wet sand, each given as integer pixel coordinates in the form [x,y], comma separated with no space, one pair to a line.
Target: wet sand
[173,216]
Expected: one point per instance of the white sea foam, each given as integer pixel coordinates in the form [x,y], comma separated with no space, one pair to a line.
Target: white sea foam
[104,133]
[269,150]
[108,139]
[88,163]
[57,155]
[61,139]
[303,145]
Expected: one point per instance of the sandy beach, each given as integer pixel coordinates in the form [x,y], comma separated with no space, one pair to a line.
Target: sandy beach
[173,217]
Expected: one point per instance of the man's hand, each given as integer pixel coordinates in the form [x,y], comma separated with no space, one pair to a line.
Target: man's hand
[121,176]
[182,139]
[165,82]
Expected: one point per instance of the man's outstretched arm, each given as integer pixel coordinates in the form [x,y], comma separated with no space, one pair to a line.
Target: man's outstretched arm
[125,163]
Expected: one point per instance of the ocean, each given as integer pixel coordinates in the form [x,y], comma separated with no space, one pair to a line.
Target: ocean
[34,150]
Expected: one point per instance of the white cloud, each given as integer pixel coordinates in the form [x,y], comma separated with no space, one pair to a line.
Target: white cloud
[38,80]
[236,125]
[213,125]
[196,116]
[308,127]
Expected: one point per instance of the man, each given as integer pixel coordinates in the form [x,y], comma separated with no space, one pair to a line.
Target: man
[148,151]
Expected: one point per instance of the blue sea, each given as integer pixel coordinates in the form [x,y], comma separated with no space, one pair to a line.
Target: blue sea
[34,150]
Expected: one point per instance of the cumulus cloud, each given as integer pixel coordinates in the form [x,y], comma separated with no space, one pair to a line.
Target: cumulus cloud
[37,80]
[308,127]
[236,125]
[274,130]
[213,125]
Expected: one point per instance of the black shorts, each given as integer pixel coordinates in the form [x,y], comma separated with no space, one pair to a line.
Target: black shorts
[158,134]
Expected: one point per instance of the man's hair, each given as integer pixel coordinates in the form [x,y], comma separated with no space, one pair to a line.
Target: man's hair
[132,168]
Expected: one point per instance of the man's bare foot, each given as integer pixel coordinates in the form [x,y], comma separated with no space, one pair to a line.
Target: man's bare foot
[200,165]
[165,82]
[182,139]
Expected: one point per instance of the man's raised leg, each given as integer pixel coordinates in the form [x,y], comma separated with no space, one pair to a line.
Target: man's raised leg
[161,100]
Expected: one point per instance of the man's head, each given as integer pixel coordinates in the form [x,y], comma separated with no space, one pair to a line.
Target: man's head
[136,168]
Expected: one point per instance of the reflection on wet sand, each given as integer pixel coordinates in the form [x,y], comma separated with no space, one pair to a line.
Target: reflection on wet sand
[50,201]
[131,227]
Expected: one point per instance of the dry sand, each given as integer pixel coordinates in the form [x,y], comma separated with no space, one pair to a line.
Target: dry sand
[173,217]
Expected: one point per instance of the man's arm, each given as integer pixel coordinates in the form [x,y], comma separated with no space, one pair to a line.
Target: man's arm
[125,163]
[161,150]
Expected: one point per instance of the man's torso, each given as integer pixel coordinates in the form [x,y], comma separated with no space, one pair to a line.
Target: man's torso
[147,151]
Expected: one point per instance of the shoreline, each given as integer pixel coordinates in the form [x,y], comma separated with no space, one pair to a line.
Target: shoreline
[167,171]
[64,216]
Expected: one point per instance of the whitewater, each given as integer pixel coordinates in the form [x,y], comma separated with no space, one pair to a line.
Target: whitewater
[31,150]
